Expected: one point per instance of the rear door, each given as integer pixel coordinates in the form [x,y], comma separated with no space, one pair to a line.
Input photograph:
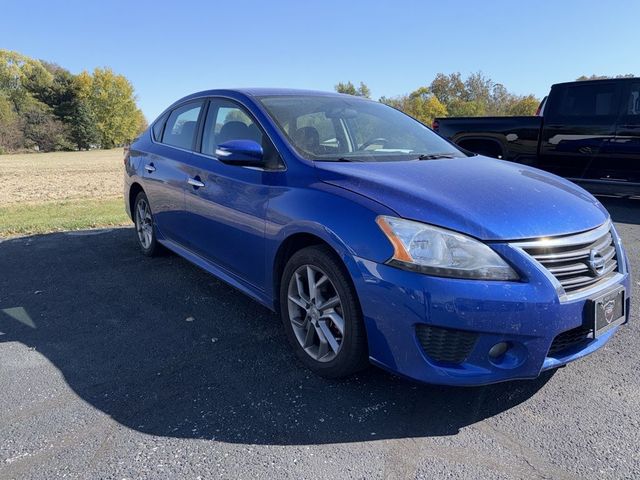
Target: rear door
[625,165]
[164,175]
[579,129]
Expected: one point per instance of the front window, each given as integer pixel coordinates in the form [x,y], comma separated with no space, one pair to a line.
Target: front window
[227,121]
[332,128]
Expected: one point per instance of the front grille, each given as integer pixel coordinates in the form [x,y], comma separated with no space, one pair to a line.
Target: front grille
[446,345]
[577,261]
[568,339]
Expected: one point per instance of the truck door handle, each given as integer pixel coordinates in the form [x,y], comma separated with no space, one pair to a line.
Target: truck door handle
[195,182]
[150,168]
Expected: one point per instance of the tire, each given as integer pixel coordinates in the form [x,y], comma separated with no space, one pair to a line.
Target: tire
[309,318]
[145,227]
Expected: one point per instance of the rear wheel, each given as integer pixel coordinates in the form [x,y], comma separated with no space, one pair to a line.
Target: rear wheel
[321,313]
[145,228]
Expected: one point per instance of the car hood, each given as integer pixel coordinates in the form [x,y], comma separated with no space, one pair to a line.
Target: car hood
[482,197]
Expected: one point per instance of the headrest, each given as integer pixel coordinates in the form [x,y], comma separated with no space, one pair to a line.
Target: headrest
[233,131]
[308,138]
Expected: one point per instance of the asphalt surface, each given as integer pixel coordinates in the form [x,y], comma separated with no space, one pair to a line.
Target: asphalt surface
[114,365]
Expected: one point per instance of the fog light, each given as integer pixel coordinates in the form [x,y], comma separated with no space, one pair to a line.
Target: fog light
[498,350]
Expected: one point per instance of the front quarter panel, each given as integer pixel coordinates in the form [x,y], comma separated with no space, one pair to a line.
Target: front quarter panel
[344,220]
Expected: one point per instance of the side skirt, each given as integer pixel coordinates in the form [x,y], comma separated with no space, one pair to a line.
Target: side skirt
[220,273]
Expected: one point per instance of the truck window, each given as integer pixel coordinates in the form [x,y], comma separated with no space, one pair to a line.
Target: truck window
[633,101]
[590,99]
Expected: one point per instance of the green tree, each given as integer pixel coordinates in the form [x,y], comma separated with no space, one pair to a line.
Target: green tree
[44,106]
[448,88]
[83,131]
[11,136]
[63,96]
[43,130]
[350,89]
[464,108]
[602,77]
[364,91]
[478,88]
[479,95]
[112,103]
[463,98]
[19,75]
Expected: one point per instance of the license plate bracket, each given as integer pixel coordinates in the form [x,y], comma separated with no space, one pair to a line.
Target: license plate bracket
[606,311]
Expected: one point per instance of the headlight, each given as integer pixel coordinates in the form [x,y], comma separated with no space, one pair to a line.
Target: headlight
[441,252]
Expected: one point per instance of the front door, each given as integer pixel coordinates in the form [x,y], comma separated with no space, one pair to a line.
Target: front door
[227,212]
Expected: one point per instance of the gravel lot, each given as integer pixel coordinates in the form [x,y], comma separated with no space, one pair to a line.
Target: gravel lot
[113,365]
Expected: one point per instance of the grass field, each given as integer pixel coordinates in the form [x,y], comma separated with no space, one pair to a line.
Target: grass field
[49,192]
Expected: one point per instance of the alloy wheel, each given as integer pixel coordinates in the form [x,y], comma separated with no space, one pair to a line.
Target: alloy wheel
[315,313]
[144,223]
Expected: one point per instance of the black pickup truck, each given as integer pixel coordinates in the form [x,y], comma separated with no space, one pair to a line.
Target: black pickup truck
[587,131]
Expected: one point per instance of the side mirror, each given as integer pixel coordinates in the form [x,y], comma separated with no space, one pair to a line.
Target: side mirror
[241,152]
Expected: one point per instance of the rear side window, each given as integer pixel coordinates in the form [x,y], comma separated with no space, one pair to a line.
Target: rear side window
[633,100]
[180,130]
[589,99]
[158,126]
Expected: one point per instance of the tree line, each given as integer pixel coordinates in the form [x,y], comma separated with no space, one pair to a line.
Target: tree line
[454,96]
[45,107]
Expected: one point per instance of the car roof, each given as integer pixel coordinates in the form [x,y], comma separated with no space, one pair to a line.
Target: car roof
[268,92]
[257,92]
[596,80]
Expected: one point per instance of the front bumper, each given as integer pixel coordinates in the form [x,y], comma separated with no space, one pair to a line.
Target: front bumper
[527,315]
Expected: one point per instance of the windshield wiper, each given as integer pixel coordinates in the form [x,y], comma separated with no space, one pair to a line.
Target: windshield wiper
[344,159]
[435,156]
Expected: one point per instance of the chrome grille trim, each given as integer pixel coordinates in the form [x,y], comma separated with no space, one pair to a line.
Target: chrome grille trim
[564,260]
[566,240]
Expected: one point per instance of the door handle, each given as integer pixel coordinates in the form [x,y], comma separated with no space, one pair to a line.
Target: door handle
[150,168]
[195,182]
[630,125]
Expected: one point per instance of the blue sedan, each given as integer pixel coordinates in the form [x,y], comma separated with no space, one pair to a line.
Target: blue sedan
[376,240]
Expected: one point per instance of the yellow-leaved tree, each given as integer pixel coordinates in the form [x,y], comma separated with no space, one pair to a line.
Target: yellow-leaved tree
[421,104]
[112,102]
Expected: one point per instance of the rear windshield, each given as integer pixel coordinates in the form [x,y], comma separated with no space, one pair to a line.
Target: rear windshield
[336,128]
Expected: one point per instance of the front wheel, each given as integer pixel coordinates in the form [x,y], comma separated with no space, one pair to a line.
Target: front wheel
[321,313]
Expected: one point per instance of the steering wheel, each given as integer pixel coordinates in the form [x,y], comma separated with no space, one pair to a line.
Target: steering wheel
[374,141]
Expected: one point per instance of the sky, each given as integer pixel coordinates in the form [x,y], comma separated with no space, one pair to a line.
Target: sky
[168,49]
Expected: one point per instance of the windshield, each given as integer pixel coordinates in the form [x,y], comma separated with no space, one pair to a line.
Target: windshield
[333,128]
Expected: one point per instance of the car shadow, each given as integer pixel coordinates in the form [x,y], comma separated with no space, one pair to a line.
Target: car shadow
[165,349]
[622,210]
